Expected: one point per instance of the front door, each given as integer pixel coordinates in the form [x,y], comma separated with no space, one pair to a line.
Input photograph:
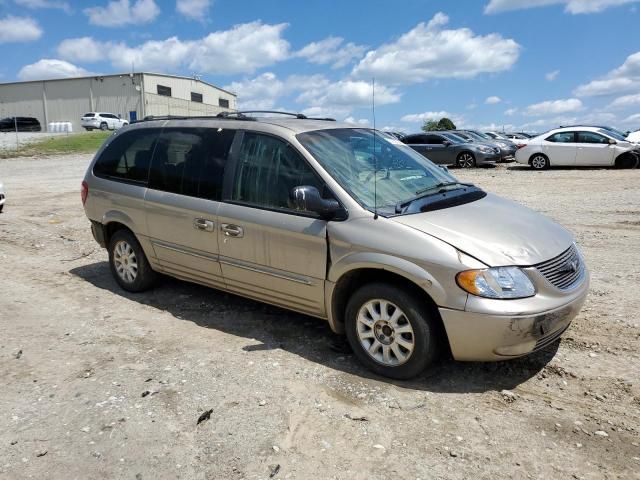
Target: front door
[593,149]
[269,251]
[185,187]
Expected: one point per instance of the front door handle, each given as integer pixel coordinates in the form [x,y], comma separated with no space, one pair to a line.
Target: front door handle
[232,230]
[203,224]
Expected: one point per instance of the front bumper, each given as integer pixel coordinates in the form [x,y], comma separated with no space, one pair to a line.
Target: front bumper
[490,337]
[487,158]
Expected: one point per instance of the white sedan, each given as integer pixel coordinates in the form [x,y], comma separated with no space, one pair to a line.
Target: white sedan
[578,146]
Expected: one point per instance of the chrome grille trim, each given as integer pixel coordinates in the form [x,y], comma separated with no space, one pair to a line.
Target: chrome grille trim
[554,272]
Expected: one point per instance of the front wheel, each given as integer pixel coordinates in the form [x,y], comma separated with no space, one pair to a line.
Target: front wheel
[128,263]
[391,332]
[466,160]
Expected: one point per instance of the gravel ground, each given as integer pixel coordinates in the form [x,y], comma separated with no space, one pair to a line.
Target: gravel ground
[102,384]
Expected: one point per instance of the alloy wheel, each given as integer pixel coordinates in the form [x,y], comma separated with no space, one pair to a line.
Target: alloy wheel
[125,261]
[466,160]
[538,162]
[385,333]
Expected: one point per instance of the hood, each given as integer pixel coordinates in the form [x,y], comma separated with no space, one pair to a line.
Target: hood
[496,231]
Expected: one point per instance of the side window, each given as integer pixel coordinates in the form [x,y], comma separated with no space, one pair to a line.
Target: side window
[434,140]
[128,156]
[561,137]
[190,161]
[268,169]
[591,137]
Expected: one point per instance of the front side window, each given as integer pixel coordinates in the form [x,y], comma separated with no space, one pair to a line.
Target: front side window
[268,169]
[434,140]
[128,156]
[375,171]
[591,137]
[191,161]
[561,137]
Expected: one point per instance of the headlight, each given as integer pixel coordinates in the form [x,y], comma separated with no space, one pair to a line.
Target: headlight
[484,149]
[502,145]
[497,282]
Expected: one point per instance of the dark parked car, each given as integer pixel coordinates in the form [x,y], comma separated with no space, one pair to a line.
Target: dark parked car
[507,147]
[450,149]
[22,124]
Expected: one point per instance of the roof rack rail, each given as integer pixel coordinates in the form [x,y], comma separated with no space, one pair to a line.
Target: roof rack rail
[299,116]
[229,116]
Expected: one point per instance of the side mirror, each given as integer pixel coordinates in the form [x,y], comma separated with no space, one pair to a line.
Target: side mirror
[612,141]
[307,199]
[446,143]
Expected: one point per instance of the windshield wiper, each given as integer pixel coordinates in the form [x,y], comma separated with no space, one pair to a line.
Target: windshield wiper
[425,192]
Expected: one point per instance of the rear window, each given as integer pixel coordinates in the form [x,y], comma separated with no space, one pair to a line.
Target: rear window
[88,115]
[128,156]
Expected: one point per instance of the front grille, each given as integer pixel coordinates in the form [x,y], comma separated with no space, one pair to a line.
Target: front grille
[563,271]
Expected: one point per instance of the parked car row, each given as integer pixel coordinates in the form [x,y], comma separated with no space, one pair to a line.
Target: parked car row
[463,148]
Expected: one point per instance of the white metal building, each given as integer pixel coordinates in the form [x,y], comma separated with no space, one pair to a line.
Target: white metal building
[130,95]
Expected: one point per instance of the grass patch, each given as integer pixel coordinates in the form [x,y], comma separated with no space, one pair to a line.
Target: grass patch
[60,145]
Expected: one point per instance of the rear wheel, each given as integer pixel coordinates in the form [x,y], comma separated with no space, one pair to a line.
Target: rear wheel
[466,160]
[391,332]
[539,162]
[128,263]
[104,126]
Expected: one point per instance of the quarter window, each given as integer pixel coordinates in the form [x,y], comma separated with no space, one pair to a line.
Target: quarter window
[128,156]
[268,169]
[591,137]
[190,161]
[561,137]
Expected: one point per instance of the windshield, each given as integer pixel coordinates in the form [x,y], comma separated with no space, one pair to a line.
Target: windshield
[355,157]
[478,136]
[613,134]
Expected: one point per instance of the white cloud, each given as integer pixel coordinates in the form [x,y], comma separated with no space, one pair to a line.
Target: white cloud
[50,68]
[554,107]
[349,94]
[36,4]
[492,100]
[119,13]
[83,49]
[242,49]
[425,116]
[19,29]
[632,120]
[510,111]
[193,9]
[551,76]
[331,50]
[260,93]
[363,122]
[625,78]
[571,6]
[428,51]
[626,101]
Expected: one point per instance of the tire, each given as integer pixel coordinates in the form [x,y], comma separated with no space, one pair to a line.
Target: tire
[364,329]
[88,129]
[539,161]
[128,263]
[627,160]
[1,207]
[104,126]
[466,160]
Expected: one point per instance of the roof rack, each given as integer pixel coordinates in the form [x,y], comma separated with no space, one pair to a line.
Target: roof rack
[230,116]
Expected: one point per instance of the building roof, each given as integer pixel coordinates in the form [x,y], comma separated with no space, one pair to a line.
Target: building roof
[119,75]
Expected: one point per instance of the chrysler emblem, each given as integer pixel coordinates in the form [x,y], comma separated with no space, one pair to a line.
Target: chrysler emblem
[570,267]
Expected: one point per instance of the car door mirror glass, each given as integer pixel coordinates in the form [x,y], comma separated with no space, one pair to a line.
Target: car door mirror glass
[612,141]
[306,198]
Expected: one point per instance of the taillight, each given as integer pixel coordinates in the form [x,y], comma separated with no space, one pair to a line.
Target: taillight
[84,191]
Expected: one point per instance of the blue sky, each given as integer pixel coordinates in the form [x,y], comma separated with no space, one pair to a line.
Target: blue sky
[517,64]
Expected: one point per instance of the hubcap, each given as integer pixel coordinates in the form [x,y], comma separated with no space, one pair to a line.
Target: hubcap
[466,160]
[538,162]
[385,333]
[125,261]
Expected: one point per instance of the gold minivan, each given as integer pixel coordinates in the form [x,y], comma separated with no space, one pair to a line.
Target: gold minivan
[342,223]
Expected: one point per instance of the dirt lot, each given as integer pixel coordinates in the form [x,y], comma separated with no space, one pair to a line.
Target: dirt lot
[99,383]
